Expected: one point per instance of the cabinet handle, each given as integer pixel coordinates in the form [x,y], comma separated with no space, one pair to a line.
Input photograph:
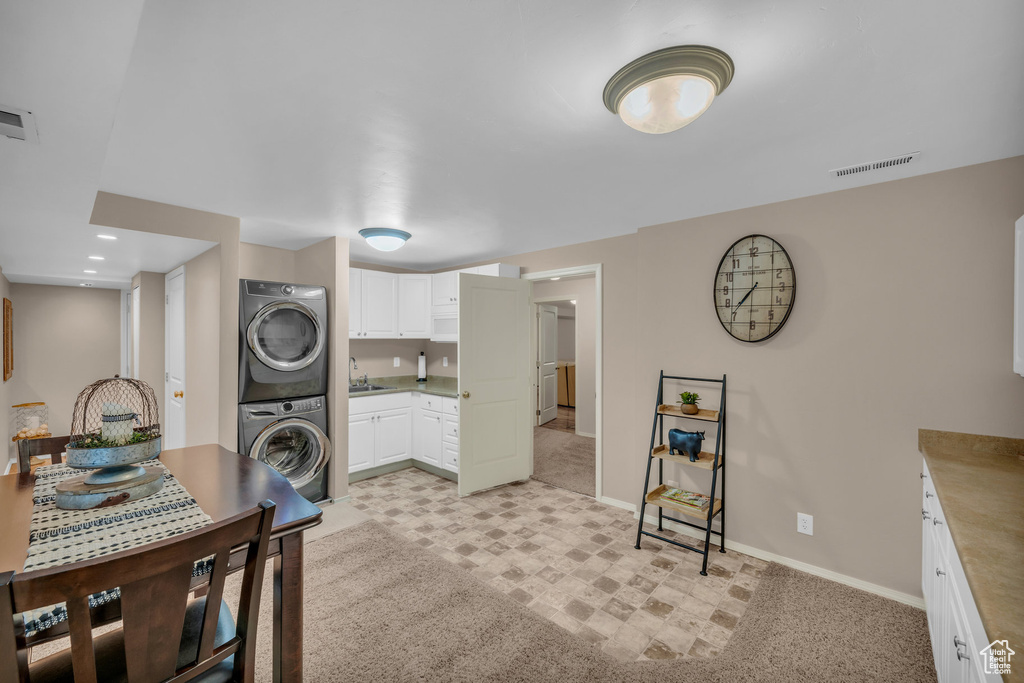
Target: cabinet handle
[957,643]
[925,515]
[924,476]
[939,572]
[438,419]
[936,522]
[928,494]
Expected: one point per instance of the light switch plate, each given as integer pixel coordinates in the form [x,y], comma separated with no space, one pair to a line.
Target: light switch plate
[398,361]
[444,361]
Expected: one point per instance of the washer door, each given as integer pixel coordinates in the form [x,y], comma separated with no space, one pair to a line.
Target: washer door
[286,336]
[295,447]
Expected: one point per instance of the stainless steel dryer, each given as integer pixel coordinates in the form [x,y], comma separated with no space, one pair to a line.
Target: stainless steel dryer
[282,341]
[291,437]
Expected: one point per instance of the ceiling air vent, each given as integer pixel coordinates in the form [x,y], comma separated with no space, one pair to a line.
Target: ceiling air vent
[874,165]
[18,124]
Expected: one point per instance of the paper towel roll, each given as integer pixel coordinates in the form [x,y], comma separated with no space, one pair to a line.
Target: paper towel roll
[421,375]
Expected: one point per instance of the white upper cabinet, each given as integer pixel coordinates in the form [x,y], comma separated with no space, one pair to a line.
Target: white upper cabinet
[355,303]
[445,288]
[414,306]
[380,304]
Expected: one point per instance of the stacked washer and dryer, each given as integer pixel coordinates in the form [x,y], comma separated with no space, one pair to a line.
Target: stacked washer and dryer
[282,381]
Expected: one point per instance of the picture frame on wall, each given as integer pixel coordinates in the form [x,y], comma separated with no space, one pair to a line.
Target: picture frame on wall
[8,339]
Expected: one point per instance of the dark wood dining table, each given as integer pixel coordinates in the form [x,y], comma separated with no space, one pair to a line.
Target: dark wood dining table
[224,484]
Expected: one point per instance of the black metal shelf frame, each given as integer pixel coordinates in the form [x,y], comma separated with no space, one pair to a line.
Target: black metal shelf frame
[658,432]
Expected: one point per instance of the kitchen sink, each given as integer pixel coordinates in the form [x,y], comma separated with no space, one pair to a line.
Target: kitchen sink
[366,387]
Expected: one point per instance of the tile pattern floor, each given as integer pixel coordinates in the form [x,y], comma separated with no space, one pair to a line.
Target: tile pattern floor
[572,560]
[565,422]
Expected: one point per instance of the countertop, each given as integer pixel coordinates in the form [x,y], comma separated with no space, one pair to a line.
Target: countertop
[980,484]
[435,384]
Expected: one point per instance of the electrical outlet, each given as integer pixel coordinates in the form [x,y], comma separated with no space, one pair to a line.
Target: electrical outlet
[805,523]
[444,361]
[398,361]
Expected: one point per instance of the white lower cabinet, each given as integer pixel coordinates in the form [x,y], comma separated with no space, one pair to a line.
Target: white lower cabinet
[379,430]
[954,624]
[437,431]
[428,436]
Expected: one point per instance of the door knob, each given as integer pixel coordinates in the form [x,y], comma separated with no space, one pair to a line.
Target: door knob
[465,394]
[179,394]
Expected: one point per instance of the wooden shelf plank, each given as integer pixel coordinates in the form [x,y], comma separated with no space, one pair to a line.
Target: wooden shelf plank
[654,498]
[706,461]
[674,411]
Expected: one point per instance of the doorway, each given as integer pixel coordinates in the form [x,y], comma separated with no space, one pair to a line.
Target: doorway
[566,339]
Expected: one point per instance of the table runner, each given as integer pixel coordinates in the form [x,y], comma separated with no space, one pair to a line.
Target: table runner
[58,537]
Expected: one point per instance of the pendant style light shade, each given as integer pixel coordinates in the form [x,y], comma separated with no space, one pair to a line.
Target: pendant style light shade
[668,89]
[384,239]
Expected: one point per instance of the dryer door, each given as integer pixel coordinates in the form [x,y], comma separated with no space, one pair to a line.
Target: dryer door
[286,336]
[295,447]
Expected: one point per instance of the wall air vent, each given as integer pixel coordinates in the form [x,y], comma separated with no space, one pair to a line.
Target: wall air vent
[18,124]
[874,165]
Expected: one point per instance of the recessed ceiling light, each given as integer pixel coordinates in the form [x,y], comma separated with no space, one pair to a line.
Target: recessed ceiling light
[555,278]
[668,89]
[107,237]
[573,302]
[85,284]
[97,258]
[89,272]
[384,239]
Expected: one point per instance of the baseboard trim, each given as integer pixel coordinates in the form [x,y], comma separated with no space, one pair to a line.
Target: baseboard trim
[587,434]
[866,586]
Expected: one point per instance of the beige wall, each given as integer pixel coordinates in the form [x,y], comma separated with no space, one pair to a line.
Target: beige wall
[583,290]
[436,353]
[151,312]
[903,320]
[257,262]
[376,357]
[131,213]
[202,347]
[65,338]
[566,338]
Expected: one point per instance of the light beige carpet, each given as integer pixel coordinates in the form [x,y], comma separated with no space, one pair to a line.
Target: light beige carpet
[564,460]
[379,608]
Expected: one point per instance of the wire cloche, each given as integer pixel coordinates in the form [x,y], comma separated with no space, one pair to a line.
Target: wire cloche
[119,410]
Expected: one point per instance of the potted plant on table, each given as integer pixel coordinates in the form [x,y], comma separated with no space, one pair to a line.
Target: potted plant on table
[688,401]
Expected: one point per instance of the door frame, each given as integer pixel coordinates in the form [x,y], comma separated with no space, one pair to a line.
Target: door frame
[576,338]
[179,271]
[595,270]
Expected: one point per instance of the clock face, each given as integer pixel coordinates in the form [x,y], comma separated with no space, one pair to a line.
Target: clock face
[754,288]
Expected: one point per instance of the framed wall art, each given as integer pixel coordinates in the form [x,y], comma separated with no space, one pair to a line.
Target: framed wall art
[8,339]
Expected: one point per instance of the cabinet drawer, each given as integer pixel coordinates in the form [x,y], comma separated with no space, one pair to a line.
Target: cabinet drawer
[449,406]
[430,402]
[451,429]
[450,457]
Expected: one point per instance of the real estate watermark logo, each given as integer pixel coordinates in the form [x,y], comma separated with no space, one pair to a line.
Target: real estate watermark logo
[997,657]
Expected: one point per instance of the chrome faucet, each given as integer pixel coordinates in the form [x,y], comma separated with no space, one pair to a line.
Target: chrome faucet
[351,366]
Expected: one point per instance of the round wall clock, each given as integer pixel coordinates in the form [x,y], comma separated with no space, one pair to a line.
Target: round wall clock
[754,288]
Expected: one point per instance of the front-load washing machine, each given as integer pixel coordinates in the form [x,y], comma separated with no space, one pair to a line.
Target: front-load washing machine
[282,342]
[291,437]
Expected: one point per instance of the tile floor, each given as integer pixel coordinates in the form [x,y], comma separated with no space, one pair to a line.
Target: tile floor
[572,560]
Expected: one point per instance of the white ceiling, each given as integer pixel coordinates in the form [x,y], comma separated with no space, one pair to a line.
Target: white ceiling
[478,127]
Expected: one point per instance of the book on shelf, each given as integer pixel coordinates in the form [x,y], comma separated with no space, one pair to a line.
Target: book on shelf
[696,501]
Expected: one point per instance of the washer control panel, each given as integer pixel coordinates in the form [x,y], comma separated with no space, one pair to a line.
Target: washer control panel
[301,405]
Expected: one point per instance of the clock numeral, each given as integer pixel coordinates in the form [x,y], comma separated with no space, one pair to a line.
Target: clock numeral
[725,291]
[778,300]
[778,274]
[753,251]
[753,324]
[735,263]
[734,316]
[728,303]
[728,277]
[771,314]
[782,286]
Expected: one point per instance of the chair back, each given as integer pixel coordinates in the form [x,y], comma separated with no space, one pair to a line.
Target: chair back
[51,446]
[155,584]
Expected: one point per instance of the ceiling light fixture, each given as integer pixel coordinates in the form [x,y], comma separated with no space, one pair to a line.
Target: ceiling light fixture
[555,278]
[668,89]
[384,239]
[97,258]
[107,237]
[572,301]
[89,272]
[85,284]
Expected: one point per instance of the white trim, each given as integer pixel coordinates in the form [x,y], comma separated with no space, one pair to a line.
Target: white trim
[126,334]
[595,269]
[905,598]
[177,272]
[586,434]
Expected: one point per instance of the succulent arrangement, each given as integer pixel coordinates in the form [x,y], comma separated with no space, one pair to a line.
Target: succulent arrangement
[97,441]
[689,398]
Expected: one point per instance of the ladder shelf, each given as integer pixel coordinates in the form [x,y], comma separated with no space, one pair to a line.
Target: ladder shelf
[706,460]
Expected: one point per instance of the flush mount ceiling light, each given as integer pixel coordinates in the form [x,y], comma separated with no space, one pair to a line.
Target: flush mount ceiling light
[106,237]
[97,258]
[668,89]
[384,239]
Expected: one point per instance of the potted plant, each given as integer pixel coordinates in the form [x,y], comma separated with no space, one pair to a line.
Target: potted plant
[688,402]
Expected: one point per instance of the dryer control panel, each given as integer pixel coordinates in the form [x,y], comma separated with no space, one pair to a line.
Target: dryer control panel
[297,406]
[281,290]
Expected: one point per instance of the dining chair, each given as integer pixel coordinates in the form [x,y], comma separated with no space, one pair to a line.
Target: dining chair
[51,446]
[164,636]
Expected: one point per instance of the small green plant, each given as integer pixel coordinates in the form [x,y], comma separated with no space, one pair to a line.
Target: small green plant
[97,441]
[689,398]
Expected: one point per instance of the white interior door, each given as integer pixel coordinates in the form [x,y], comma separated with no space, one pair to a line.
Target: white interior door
[174,359]
[136,331]
[495,368]
[547,363]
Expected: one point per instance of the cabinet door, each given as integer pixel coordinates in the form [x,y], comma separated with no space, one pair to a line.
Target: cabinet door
[394,435]
[380,304]
[443,288]
[355,303]
[428,432]
[450,457]
[361,442]
[414,306]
